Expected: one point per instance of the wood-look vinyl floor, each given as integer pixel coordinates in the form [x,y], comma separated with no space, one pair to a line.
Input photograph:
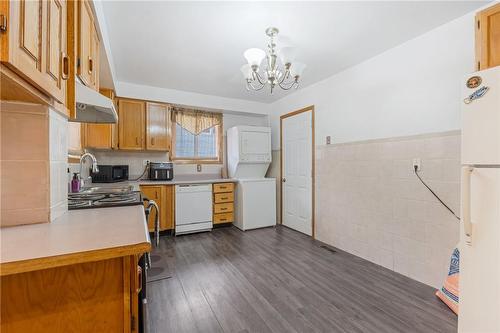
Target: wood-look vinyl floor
[278,280]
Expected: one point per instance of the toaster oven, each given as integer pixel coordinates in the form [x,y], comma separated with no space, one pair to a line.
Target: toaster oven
[161,171]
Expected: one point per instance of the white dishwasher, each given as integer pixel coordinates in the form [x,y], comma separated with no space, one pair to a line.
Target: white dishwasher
[193,208]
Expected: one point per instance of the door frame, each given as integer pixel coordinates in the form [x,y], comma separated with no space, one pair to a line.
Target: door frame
[309,108]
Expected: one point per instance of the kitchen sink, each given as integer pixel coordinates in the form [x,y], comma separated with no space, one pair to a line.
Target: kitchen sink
[106,189]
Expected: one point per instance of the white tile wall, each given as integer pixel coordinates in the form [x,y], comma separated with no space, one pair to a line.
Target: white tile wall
[58,154]
[370,203]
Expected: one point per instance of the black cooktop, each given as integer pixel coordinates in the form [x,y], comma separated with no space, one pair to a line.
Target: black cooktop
[98,200]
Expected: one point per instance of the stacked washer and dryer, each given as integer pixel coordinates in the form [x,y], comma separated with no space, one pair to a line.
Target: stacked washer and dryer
[248,158]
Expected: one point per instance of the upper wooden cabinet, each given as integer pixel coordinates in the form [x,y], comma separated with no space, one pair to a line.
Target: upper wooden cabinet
[131,124]
[33,43]
[157,126]
[88,45]
[141,126]
[488,37]
[94,59]
[98,136]
[101,136]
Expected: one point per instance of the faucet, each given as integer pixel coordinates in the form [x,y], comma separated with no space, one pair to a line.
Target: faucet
[95,169]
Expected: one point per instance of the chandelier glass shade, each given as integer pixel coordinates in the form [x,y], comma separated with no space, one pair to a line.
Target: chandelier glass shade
[280,69]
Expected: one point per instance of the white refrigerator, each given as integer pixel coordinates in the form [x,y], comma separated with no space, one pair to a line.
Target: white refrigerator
[479,305]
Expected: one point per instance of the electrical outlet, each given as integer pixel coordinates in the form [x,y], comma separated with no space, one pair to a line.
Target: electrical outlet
[198,167]
[416,163]
[145,162]
[328,140]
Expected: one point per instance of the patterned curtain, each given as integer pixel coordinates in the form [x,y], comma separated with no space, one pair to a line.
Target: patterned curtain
[195,121]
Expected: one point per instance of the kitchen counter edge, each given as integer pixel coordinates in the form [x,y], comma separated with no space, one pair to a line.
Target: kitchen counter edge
[81,236]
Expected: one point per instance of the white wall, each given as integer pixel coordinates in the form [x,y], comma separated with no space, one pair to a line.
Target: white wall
[368,201]
[411,89]
[125,89]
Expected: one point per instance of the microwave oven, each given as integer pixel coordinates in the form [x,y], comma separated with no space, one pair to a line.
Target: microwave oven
[110,174]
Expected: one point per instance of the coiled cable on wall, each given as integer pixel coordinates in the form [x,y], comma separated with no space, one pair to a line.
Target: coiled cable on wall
[143,173]
[415,168]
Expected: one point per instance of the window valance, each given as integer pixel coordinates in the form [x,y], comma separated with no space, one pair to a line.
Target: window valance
[195,121]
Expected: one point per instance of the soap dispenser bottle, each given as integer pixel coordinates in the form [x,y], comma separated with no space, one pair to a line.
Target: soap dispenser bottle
[75,183]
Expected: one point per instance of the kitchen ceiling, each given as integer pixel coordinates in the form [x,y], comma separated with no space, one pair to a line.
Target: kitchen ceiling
[198,46]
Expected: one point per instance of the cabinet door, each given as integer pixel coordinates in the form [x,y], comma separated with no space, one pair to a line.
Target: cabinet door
[94,58]
[167,222]
[34,43]
[157,126]
[488,37]
[98,136]
[153,193]
[56,63]
[74,138]
[85,31]
[24,48]
[131,124]
[164,197]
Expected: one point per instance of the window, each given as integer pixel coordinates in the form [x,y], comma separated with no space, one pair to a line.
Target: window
[197,136]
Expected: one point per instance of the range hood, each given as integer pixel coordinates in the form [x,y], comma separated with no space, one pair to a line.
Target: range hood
[92,107]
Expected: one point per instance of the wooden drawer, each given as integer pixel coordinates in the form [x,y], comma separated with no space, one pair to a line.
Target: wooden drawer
[224,197]
[223,208]
[223,218]
[223,187]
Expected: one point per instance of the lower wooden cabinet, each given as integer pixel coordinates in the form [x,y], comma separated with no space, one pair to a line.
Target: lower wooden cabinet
[98,296]
[163,195]
[223,203]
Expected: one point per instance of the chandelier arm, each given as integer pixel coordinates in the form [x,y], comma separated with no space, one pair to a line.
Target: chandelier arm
[250,84]
[288,85]
[259,78]
[284,77]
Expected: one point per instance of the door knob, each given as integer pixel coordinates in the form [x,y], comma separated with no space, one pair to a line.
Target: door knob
[283,180]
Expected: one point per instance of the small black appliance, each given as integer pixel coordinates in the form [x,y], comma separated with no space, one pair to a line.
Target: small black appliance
[110,174]
[161,171]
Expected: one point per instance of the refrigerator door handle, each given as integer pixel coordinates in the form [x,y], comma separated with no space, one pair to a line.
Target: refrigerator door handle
[466,215]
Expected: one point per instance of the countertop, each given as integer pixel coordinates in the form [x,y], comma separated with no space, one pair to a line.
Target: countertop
[178,180]
[77,236]
[189,179]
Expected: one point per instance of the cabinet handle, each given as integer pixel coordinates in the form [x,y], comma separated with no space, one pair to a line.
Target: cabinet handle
[224,198]
[3,23]
[136,140]
[223,219]
[152,141]
[156,194]
[139,279]
[91,65]
[466,216]
[64,66]
[223,208]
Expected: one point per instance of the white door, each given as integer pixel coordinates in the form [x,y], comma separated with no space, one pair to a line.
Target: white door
[297,172]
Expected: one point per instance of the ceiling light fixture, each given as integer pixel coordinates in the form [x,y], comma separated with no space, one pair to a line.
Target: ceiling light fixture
[285,76]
